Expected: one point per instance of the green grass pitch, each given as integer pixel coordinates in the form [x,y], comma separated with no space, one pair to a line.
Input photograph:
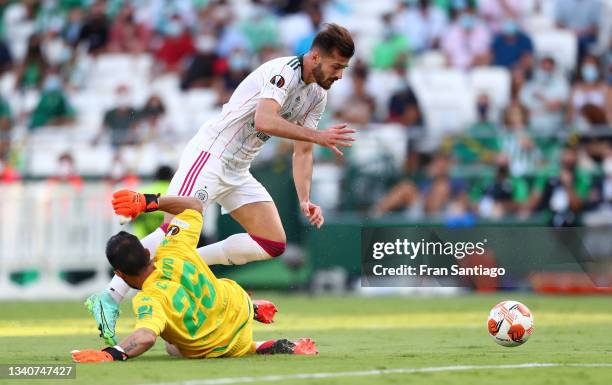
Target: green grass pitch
[360,340]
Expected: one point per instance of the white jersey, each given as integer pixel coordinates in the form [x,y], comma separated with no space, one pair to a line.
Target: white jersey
[231,136]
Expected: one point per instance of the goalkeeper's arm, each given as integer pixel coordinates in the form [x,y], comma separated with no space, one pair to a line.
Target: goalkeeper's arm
[131,204]
[176,205]
[134,345]
[138,342]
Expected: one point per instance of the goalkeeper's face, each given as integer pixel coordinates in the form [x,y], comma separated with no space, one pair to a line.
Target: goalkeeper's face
[329,68]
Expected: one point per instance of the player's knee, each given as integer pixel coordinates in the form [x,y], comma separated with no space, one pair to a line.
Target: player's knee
[272,248]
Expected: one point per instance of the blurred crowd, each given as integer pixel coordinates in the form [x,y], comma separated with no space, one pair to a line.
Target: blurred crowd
[548,150]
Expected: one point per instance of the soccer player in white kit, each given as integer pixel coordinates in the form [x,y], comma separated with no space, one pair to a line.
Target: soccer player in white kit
[284,97]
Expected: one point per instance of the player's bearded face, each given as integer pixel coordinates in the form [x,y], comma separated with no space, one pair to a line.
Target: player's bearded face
[322,79]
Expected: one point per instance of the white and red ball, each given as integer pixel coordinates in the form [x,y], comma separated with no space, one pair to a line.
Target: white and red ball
[510,323]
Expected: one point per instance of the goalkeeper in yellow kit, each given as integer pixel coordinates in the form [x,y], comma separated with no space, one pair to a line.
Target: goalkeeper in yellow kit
[180,299]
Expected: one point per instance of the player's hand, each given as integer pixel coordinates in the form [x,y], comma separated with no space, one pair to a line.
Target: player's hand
[131,204]
[336,136]
[313,213]
[91,355]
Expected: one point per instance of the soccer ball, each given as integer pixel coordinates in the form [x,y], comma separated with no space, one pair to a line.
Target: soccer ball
[510,323]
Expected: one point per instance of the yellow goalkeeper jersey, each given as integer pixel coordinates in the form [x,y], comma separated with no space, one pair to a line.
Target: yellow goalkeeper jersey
[183,302]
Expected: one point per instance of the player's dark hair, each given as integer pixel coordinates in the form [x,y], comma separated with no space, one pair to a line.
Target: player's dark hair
[334,38]
[126,254]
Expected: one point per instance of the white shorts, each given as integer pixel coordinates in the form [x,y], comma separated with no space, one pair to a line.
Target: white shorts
[202,175]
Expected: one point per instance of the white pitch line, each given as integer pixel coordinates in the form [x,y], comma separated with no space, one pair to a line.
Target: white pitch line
[306,376]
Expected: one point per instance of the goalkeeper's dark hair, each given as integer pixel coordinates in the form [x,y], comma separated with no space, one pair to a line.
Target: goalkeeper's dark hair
[334,38]
[126,254]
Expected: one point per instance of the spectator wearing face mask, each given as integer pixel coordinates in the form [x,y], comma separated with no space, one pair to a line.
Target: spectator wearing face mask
[176,46]
[512,48]
[392,46]
[121,121]
[545,97]
[53,108]
[467,41]
[422,23]
[590,90]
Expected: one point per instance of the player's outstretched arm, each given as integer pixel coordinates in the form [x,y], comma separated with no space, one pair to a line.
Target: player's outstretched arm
[134,345]
[269,121]
[131,203]
[302,177]
[138,342]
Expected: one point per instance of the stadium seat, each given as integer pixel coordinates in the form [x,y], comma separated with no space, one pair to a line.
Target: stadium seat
[447,102]
[446,113]
[199,99]
[430,60]
[167,85]
[93,160]
[560,44]
[438,79]
[538,23]
[111,70]
[392,139]
[7,84]
[378,142]
[372,9]
[144,159]
[112,63]
[365,149]
[91,107]
[43,157]
[326,185]
[382,85]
